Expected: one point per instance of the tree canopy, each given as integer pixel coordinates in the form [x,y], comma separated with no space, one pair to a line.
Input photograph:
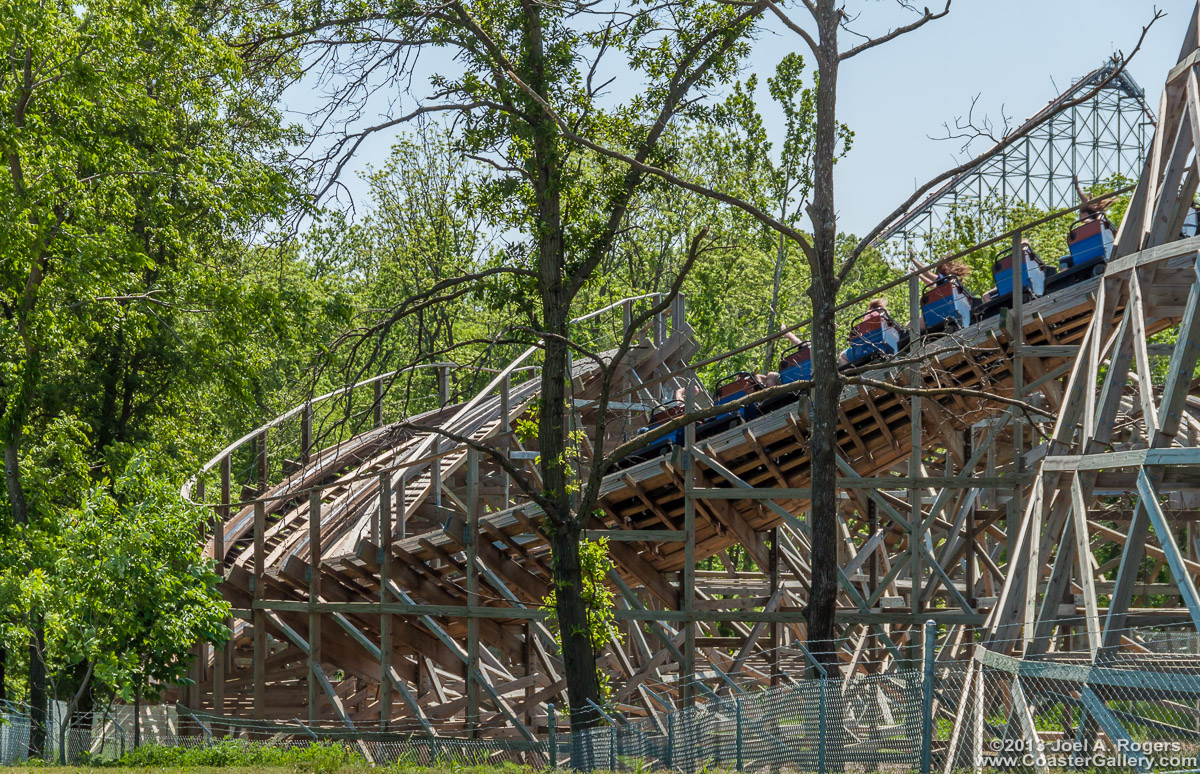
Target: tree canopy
[174,269]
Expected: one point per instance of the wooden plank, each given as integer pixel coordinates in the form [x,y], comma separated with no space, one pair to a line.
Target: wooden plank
[471,539]
[1020,708]
[649,502]
[763,457]
[450,643]
[386,646]
[338,706]
[1166,539]
[630,561]
[1083,555]
[392,678]
[1113,728]
[687,590]
[316,673]
[852,433]
[1133,458]
[259,616]
[636,535]
[219,653]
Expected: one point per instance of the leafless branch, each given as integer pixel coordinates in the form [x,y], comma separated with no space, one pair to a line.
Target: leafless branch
[927,17]
[934,392]
[344,154]
[601,465]
[791,24]
[968,130]
[497,455]
[1121,61]
[687,73]
[675,180]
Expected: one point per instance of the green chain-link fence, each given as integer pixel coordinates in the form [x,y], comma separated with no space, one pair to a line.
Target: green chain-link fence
[1132,709]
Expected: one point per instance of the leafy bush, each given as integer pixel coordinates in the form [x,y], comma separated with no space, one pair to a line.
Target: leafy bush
[317,758]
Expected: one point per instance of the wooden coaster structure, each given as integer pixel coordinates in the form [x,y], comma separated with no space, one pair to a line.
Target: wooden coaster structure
[1112,511]
[1152,283]
[396,579]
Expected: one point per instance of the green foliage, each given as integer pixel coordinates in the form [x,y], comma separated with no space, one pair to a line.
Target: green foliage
[317,758]
[134,593]
[597,597]
[137,325]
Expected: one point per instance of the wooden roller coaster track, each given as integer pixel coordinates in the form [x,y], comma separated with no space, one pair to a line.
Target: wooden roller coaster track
[398,577]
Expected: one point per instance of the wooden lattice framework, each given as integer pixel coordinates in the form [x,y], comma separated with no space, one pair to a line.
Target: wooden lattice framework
[395,579]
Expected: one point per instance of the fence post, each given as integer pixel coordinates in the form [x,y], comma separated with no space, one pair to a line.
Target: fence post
[738,715]
[822,712]
[552,743]
[927,699]
[612,748]
[670,739]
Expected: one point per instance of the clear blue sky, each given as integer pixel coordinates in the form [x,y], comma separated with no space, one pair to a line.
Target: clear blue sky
[1015,54]
[1011,52]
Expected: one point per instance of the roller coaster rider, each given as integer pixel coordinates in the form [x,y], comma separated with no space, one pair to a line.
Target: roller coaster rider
[946,298]
[875,319]
[1094,209]
[773,378]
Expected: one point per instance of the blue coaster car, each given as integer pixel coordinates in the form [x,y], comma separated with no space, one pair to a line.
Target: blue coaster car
[875,335]
[1091,243]
[659,446]
[945,305]
[1191,224]
[1033,274]
[728,389]
[797,365]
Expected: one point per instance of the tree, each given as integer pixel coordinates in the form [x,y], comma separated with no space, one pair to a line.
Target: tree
[820,24]
[821,249]
[788,180]
[524,65]
[128,153]
[132,592]
[425,224]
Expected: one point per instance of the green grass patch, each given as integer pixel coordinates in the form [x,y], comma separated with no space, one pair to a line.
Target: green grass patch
[232,756]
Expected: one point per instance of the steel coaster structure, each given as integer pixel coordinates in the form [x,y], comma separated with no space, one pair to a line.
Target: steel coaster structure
[1097,129]
[395,579]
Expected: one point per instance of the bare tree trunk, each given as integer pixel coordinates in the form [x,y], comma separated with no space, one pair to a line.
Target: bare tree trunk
[37,641]
[137,714]
[37,689]
[579,659]
[822,603]
[78,716]
[12,480]
[773,316]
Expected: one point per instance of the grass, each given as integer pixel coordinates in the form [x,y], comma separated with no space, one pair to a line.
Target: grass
[118,769]
[239,757]
[356,767]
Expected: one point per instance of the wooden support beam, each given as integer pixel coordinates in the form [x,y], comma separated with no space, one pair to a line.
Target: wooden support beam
[219,653]
[316,673]
[386,645]
[306,439]
[259,616]
[687,590]
[471,538]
